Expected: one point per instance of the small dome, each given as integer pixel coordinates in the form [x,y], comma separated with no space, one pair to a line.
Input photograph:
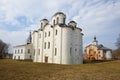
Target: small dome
[44,20]
[72,23]
[100,45]
[59,13]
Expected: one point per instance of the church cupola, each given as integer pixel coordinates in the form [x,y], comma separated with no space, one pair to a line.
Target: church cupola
[29,39]
[44,22]
[95,42]
[72,23]
[58,18]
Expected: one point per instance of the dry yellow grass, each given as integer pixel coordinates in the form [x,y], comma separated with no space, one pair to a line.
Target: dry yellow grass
[20,70]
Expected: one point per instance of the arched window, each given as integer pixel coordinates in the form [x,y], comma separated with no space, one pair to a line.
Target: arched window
[45,34]
[49,33]
[63,20]
[57,20]
[34,52]
[41,25]
[71,51]
[48,45]
[21,50]
[45,46]
[53,22]
[56,32]
[55,51]
[18,50]
[38,51]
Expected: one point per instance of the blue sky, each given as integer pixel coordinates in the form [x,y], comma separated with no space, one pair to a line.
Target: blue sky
[100,18]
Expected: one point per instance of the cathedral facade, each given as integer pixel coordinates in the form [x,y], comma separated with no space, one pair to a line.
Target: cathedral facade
[58,42]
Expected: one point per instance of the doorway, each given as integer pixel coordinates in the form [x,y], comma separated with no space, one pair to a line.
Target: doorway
[46,59]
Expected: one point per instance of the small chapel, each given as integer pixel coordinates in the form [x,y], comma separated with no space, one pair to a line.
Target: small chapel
[95,51]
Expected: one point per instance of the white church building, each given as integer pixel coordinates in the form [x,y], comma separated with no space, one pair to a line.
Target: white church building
[23,52]
[58,42]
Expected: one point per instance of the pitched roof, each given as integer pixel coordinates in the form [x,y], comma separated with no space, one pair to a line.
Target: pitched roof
[19,45]
[101,47]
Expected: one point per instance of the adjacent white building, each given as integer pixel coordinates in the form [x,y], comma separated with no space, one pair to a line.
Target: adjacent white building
[58,42]
[23,52]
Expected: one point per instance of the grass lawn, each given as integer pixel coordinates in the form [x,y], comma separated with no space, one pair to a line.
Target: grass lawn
[21,70]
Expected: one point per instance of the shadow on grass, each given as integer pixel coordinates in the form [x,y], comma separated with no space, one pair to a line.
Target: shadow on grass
[96,61]
[27,60]
[84,61]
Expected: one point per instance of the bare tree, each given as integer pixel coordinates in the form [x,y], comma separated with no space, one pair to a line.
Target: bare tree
[118,42]
[3,49]
[116,53]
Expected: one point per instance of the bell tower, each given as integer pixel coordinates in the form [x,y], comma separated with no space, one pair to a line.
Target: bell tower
[95,42]
[29,39]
